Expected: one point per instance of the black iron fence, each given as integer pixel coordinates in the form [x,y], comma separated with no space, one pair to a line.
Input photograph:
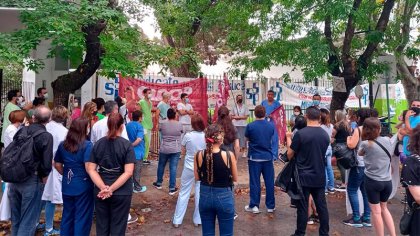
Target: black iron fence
[5,86]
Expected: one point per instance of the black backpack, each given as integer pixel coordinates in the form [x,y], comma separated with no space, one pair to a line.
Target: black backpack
[17,163]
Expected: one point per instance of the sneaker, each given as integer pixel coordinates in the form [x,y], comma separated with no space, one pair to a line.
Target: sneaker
[366,222]
[140,190]
[353,223]
[158,186]
[310,221]
[235,216]
[173,191]
[40,227]
[340,188]
[293,206]
[146,162]
[331,190]
[271,210]
[254,210]
[52,232]
[132,219]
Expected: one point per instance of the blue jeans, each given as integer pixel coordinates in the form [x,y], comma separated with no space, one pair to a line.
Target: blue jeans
[216,202]
[25,203]
[357,180]
[173,159]
[265,168]
[329,170]
[49,215]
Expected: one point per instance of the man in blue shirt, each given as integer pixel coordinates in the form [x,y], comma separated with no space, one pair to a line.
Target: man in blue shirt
[270,105]
[135,134]
[260,135]
[412,120]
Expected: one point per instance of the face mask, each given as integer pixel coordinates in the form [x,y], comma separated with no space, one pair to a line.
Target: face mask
[76,104]
[187,100]
[149,96]
[46,96]
[296,113]
[239,100]
[416,110]
[20,99]
[316,102]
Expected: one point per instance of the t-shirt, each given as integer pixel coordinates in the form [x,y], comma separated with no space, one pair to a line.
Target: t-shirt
[310,145]
[100,130]
[240,110]
[260,135]
[163,110]
[9,134]
[111,155]
[100,116]
[410,175]
[146,108]
[270,108]
[6,122]
[328,129]
[124,113]
[171,137]
[135,130]
[377,162]
[341,134]
[414,121]
[184,119]
[75,178]
[193,141]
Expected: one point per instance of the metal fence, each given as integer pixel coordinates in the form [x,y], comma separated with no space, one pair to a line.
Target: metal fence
[5,86]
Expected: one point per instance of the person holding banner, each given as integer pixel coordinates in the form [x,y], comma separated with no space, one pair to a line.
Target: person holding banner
[271,105]
[146,107]
[185,111]
[240,114]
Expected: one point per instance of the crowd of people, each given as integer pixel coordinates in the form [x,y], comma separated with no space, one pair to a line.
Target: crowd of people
[90,161]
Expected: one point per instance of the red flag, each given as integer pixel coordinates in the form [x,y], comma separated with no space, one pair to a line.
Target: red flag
[279,118]
[222,96]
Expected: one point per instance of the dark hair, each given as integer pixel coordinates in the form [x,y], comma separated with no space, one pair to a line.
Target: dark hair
[100,102]
[212,133]
[299,108]
[38,101]
[11,94]
[76,135]
[313,113]
[197,123]
[39,90]
[316,95]
[224,120]
[146,90]
[325,117]
[17,116]
[364,113]
[59,114]
[371,128]
[183,95]
[109,106]
[119,101]
[414,144]
[115,121]
[171,114]
[259,111]
[270,91]
[137,115]
[300,123]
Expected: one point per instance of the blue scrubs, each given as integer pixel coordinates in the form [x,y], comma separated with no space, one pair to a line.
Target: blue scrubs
[268,110]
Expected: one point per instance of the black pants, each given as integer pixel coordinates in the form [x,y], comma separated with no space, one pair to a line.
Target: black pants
[112,214]
[318,194]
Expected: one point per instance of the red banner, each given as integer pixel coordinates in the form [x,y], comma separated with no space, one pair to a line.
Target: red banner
[196,90]
[279,118]
[222,95]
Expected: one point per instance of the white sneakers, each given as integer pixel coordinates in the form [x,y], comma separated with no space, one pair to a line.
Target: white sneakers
[254,210]
[271,210]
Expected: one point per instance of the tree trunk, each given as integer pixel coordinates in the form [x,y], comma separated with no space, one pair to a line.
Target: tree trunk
[410,83]
[68,83]
[184,71]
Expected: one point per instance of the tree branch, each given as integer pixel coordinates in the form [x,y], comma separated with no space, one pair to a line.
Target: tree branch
[349,34]
[405,28]
[333,60]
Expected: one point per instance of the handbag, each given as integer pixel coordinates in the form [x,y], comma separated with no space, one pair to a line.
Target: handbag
[405,222]
[346,157]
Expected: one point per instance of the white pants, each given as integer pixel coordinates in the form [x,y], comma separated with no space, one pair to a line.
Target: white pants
[187,182]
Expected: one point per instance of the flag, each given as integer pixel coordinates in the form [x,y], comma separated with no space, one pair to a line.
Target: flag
[279,118]
[222,96]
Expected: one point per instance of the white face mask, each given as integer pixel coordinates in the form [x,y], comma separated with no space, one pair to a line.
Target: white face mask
[296,113]
[76,104]
[20,99]
[149,96]
[46,96]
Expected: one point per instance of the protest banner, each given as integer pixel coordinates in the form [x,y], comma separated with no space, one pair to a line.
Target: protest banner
[279,119]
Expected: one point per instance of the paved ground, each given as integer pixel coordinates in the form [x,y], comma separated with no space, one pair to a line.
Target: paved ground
[157,222]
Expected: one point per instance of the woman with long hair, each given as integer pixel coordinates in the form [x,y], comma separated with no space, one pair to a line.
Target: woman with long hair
[71,160]
[88,112]
[376,152]
[340,133]
[191,143]
[231,139]
[111,168]
[328,127]
[216,169]
[410,178]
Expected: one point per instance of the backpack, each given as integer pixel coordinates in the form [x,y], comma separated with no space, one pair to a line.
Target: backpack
[17,162]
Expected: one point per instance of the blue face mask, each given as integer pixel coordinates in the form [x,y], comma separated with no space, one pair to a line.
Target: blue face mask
[187,100]
[316,102]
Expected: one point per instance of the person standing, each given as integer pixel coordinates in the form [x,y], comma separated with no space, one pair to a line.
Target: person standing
[100,128]
[185,111]
[260,135]
[162,107]
[25,197]
[216,169]
[309,146]
[42,93]
[231,138]
[15,100]
[52,192]
[340,133]
[411,120]
[328,127]
[76,111]
[191,143]
[111,167]
[297,111]
[271,105]
[135,133]
[88,112]
[77,187]
[100,102]
[240,114]
[146,106]
[376,152]
[170,151]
